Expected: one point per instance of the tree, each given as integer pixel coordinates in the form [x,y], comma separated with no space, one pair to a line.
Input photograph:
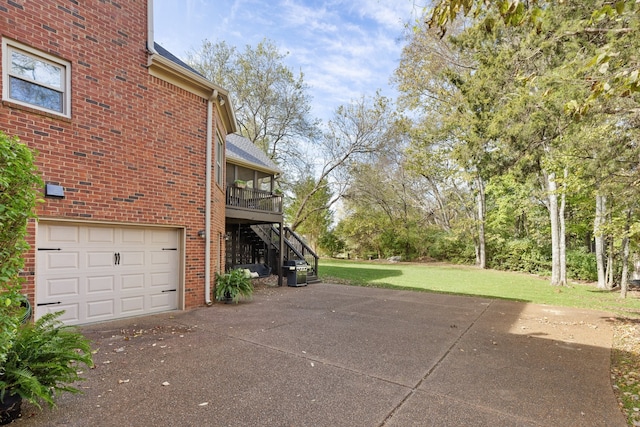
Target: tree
[613,72]
[315,210]
[445,81]
[356,130]
[271,104]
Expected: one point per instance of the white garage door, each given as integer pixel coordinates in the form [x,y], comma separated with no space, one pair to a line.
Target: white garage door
[98,273]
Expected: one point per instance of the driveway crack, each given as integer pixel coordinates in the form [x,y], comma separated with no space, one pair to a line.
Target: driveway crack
[415,388]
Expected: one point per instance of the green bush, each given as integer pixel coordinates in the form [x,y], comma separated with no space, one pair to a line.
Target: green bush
[581,265]
[233,285]
[43,360]
[18,196]
[442,246]
[519,255]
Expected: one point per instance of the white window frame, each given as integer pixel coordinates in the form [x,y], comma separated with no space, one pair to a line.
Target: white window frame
[219,160]
[10,45]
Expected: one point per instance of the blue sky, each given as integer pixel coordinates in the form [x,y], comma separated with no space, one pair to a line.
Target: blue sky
[345,48]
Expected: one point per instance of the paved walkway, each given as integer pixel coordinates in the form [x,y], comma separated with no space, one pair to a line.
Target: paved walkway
[332,355]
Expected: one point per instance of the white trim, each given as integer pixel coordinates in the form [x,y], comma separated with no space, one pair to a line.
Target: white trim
[7,46]
[220,155]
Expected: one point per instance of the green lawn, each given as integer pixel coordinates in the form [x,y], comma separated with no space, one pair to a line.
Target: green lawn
[466,280]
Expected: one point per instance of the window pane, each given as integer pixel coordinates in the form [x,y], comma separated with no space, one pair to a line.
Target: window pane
[21,90]
[33,69]
[219,168]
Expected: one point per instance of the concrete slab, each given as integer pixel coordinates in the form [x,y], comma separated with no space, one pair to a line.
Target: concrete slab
[331,355]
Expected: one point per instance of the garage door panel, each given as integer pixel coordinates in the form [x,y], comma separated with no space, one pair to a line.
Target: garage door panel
[160,258]
[160,279]
[101,309]
[132,259]
[99,259]
[71,313]
[163,237]
[132,281]
[100,235]
[163,301]
[100,273]
[100,284]
[65,287]
[62,260]
[133,236]
[62,234]
[132,305]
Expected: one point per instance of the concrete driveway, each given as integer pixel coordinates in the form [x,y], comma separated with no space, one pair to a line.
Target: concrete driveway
[333,355]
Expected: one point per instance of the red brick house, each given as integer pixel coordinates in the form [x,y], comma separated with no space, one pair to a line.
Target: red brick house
[131,147]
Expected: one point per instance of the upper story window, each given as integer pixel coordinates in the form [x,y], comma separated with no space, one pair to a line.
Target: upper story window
[219,159]
[35,79]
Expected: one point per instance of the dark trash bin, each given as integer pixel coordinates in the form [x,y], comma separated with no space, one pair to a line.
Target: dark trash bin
[296,271]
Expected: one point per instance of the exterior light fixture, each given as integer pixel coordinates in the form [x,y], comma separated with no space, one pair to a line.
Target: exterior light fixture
[54,190]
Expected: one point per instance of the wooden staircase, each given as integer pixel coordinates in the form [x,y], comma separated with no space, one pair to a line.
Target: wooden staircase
[295,248]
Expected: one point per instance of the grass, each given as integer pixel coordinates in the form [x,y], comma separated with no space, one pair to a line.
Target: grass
[466,280]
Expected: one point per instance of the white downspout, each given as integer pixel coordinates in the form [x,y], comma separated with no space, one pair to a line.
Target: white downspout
[150,34]
[207,210]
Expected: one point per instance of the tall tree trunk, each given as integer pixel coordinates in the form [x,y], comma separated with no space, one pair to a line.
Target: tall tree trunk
[610,270]
[624,280]
[562,231]
[601,214]
[481,254]
[552,205]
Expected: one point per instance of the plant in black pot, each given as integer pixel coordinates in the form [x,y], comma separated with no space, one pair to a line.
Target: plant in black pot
[233,285]
[41,360]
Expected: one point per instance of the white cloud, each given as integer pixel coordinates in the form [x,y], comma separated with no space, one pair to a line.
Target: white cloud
[345,48]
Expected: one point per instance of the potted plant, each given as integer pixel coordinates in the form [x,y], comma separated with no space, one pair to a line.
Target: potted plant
[233,285]
[40,361]
[238,183]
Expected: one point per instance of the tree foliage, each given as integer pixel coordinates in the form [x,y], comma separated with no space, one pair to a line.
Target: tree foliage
[531,106]
[18,196]
[272,104]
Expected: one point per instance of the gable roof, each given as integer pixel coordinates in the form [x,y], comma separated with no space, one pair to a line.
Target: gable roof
[242,151]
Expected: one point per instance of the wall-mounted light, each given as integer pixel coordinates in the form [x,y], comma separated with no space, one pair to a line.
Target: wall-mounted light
[221,100]
[54,190]
[201,233]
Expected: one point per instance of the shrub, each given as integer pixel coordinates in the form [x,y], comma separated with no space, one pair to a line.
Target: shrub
[581,265]
[519,255]
[18,196]
[43,360]
[233,285]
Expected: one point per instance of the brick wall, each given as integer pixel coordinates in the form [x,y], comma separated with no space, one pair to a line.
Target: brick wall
[134,148]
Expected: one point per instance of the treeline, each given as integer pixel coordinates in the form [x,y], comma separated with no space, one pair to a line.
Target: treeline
[515,144]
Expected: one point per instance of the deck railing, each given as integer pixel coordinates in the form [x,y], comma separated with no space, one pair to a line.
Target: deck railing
[252,199]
